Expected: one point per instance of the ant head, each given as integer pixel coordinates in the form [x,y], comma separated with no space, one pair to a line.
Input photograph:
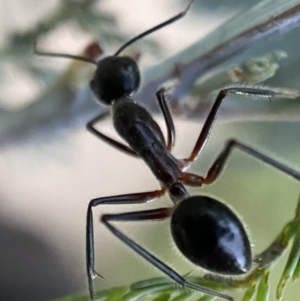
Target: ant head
[115,77]
[210,235]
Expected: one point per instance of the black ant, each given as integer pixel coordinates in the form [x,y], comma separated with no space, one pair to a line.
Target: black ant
[205,230]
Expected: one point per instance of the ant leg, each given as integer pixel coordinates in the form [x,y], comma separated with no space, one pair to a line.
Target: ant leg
[203,136]
[114,143]
[135,198]
[219,163]
[160,94]
[151,215]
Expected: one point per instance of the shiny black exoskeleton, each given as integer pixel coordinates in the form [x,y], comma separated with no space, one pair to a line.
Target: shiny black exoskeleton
[210,235]
[206,231]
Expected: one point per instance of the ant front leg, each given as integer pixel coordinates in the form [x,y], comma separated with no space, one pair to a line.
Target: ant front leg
[135,198]
[114,143]
[153,215]
[203,136]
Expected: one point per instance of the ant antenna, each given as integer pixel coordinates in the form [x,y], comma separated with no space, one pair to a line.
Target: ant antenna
[155,28]
[62,55]
[140,36]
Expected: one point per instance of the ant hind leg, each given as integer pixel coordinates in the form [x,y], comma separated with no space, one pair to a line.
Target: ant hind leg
[134,198]
[155,214]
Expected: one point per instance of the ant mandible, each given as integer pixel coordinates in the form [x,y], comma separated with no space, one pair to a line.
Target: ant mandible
[205,230]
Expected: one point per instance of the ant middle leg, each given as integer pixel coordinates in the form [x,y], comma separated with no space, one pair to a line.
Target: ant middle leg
[219,163]
[151,215]
[134,198]
[203,136]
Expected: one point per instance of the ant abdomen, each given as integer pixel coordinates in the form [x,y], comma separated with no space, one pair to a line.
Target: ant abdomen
[115,77]
[211,236]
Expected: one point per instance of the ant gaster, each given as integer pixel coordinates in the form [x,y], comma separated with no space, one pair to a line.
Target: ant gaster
[205,230]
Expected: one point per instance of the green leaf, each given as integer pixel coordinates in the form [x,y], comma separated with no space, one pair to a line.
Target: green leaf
[250,292]
[137,293]
[290,267]
[206,298]
[150,282]
[182,296]
[263,290]
[296,274]
[163,297]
